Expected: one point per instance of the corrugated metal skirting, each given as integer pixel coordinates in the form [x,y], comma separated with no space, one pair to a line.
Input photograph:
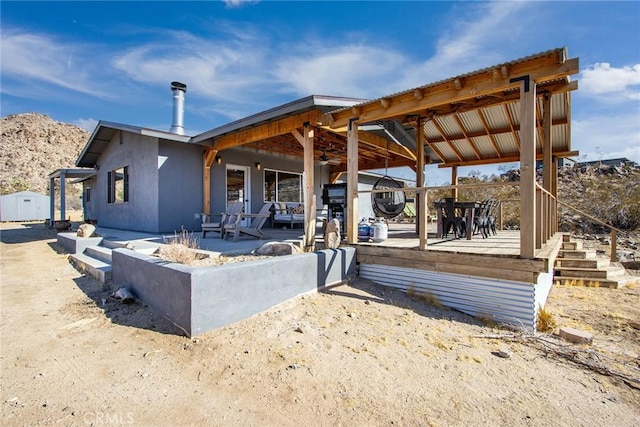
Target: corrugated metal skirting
[503,301]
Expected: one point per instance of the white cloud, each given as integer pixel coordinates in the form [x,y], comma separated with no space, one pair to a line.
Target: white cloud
[607,136]
[610,84]
[224,70]
[238,3]
[86,124]
[353,70]
[41,60]
[475,39]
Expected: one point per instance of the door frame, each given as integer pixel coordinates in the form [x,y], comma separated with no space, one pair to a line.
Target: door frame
[247,186]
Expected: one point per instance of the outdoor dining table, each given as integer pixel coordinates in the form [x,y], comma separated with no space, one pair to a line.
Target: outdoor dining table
[467,209]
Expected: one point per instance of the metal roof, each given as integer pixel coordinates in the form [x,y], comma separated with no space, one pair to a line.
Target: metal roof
[104,133]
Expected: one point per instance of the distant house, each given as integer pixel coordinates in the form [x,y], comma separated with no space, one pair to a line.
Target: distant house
[24,206]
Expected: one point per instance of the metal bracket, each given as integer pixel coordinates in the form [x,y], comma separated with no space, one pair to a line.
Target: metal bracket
[526,79]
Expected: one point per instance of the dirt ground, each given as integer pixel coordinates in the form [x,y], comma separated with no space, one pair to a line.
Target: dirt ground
[357,354]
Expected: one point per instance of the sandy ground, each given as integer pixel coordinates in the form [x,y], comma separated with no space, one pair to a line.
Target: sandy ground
[357,354]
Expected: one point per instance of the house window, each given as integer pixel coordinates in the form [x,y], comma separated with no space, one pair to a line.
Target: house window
[87,194]
[118,185]
[282,186]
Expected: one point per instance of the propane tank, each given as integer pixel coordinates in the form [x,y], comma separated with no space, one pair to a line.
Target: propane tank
[380,230]
[363,230]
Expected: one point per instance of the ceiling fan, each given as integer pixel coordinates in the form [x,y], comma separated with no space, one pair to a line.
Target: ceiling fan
[324,159]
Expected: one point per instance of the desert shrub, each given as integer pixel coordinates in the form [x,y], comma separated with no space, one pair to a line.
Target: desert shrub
[610,194]
[180,248]
[546,322]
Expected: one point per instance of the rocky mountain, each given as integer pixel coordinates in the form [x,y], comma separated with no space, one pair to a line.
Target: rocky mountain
[33,146]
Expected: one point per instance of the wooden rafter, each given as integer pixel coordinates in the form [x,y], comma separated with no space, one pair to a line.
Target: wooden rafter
[509,159]
[456,117]
[443,134]
[512,126]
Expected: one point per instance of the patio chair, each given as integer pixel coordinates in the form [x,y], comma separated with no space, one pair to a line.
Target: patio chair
[452,221]
[481,219]
[233,210]
[253,229]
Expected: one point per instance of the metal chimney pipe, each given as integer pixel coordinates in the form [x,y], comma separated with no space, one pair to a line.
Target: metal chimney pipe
[178,89]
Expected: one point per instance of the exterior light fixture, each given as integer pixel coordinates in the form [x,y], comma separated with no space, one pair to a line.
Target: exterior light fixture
[219,160]
[258,165]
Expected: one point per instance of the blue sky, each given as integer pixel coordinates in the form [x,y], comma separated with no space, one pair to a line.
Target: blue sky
[80,62]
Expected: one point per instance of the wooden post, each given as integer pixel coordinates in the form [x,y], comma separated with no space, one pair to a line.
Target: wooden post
[309,196]
[614,245]
[52,201]
[454,181]
[351,221]
[63,204]
[207,160]
[527,167]
[421,196]
[547,146]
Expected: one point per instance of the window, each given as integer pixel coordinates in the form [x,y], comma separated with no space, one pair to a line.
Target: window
[118,185]
[282,186]
[87,194]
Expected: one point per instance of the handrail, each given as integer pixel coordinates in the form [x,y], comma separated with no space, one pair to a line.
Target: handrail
[614,230]
[444,187]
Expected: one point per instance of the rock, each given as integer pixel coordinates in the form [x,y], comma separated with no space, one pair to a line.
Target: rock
[277,249]
[299,330]
[124,295]
[504,353]
[86,230]
[575,336]
[332,234]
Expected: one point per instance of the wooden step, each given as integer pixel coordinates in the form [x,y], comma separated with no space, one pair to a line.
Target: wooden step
[594,273]
[572,246]
[581,254]
[583,262]
[616,282]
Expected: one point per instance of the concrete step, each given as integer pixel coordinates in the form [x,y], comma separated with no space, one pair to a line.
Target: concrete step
[572,246]
[114,245]
[609,272]
[616,282]
[583,262]
[582,254]
[95,268]
[99,252]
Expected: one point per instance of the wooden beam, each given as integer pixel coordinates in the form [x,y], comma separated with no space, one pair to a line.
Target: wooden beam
[492,138]
[528,169]
[454,181]
[208,158]
[509,159]
[421,196]
[443,134]
[547,144]
[351,220]
[308,192]
[466,136]
[373,140]
[539,69]
[267,130]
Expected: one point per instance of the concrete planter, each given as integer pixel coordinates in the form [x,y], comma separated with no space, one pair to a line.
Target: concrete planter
[199,299]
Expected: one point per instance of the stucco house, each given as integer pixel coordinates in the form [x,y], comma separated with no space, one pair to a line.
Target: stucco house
[160,181]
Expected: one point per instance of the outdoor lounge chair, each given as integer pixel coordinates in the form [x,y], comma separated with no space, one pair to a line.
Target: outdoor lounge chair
[253,229]
[233,210]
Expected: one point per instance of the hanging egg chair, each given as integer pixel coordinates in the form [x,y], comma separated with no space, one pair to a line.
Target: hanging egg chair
[388,204]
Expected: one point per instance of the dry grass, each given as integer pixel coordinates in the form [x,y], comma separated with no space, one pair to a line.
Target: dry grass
[425,296]
[546,322]
[180,249]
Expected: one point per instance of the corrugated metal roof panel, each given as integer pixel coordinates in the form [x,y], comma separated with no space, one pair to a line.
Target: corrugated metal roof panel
[450,127]
[495,117]
[507,144]
[471,122]
[464,148]
[503,301]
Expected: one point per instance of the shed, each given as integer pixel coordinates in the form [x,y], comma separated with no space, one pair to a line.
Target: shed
[24,206]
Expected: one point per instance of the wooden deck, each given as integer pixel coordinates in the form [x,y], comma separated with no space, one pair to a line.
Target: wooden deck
[506,243]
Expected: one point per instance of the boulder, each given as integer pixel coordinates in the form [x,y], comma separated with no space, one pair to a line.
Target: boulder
[332,234]
[277,249]
[86,230]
